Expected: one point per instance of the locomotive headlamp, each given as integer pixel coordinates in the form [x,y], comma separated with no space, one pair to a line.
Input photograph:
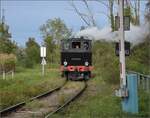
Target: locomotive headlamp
[86,63]
[65,63]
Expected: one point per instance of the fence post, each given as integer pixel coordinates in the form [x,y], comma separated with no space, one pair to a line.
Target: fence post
[147,84]
[130,103]
[4,75]
[12,74]
[143,85]
[138,79]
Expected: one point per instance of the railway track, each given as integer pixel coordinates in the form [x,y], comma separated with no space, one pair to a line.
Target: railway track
[68,101]
[17,106]
[15,109]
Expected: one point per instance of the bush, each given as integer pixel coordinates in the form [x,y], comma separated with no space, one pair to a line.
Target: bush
[139,60]
[7,62]
[105,61]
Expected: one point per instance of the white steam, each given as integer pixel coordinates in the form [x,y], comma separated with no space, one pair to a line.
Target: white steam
[136,35]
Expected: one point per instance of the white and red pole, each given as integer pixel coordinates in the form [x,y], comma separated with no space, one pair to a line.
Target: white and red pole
[121,46]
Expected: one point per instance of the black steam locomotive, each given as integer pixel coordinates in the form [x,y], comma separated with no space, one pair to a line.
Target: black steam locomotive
[76,58]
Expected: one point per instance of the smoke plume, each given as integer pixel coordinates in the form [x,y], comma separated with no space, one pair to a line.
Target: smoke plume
[135,35]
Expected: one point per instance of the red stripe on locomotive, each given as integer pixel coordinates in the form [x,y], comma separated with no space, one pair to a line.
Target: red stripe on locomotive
[76,68]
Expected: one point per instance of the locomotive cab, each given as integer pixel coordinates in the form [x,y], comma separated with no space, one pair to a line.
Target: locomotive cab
[76,58]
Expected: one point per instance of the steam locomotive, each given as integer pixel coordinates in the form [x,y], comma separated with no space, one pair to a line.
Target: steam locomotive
[76,58]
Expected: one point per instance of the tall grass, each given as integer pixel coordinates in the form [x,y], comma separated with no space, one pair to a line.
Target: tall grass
[7,62]
[26,84]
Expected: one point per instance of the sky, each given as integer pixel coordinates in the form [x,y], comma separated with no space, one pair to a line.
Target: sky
[25,17]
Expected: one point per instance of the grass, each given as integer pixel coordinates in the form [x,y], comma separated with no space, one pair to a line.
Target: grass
[69,90]
[99,101]
[27,84]
[57,99]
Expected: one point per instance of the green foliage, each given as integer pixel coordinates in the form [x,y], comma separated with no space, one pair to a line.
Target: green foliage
[32,53]
[105,61]
[26,84]
[111,5]
[50,46]
[112,22]
[55,28]
[139,59]
[144,103]
[21,57]
[6,45]
[53,31]
[7,62]
[129,12]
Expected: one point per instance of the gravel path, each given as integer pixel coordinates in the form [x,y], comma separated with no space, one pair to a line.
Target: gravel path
[39,108]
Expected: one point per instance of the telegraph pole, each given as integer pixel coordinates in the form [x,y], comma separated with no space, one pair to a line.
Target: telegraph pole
[122,47]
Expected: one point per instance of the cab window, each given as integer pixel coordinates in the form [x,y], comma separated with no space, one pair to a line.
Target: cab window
[76,45]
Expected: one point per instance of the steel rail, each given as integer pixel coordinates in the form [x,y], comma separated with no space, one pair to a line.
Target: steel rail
[12,108]
[67,102]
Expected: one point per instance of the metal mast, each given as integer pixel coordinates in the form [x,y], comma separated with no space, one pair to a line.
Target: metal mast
[122,49]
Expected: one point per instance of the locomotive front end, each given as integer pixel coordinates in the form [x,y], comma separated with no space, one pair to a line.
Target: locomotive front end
[76,58]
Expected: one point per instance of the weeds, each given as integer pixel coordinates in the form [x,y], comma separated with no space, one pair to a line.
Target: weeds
[25,85]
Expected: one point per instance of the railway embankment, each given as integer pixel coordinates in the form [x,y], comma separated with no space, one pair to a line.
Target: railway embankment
[26,84]
[49,104]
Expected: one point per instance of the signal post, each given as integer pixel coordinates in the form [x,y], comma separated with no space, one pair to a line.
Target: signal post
[128,82]
[43,55]
[122,92]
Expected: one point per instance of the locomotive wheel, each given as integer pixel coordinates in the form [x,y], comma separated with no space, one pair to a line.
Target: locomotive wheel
[67,75]
[87,75]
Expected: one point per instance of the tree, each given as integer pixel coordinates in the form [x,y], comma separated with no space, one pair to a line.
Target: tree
[6,45]
[88,17]
[111,10]
[50,46]
[53,31]
[56,28]
[135,7]
[32,52]
[147,15]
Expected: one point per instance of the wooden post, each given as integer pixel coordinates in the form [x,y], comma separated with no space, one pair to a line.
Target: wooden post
[143,83]
[12,74]
[4,75]
[147,84]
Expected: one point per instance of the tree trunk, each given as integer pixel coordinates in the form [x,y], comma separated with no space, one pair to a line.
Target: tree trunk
[111,4]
